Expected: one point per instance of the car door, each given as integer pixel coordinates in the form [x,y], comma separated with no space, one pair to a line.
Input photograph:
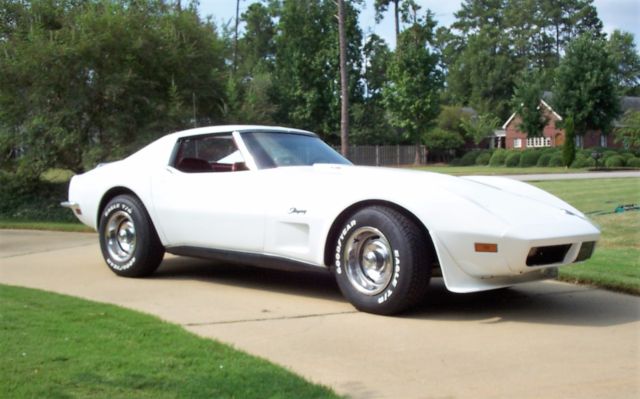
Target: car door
[207,198]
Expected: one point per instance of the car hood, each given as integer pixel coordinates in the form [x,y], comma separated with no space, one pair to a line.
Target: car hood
[502,197]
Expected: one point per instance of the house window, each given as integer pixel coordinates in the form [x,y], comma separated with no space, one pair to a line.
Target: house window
[579,141]
[603,141]
[517,143]
[537,142]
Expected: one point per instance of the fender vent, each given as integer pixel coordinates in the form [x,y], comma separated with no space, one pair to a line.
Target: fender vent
[550,255]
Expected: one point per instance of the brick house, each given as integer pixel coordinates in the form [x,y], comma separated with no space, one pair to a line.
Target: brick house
[510,136]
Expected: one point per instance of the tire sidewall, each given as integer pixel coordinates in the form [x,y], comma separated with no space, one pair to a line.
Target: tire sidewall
[139,217]
[388,300]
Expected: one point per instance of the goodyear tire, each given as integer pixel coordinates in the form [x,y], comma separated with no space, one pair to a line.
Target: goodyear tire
[129,242]
[382,263]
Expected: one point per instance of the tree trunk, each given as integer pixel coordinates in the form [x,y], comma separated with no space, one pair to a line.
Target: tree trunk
[235,38]
[397,20]
[344,82]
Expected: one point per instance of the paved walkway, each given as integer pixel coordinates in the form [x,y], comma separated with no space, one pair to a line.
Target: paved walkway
[550,339]
[573,176]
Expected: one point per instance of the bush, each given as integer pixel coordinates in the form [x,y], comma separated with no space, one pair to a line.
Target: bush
[556,160]
[513,160]
[608,154]
[28,198]
[627,156]
[633,162]
[499,157]
[529,158]
[583,162]
[483,159]
[614,161]
[469,158]
[544,159]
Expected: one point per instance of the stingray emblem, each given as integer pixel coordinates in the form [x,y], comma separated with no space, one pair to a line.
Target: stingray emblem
[296,211]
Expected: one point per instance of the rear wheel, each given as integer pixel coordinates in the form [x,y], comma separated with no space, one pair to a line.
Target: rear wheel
[129,242]
[382,263]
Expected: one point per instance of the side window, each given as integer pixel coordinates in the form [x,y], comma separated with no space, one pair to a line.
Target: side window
[216,153]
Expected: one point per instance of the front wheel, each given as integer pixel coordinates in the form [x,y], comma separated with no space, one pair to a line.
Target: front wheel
[382,263]
[129,242]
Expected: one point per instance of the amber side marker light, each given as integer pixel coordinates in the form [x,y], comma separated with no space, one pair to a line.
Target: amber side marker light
[486,247]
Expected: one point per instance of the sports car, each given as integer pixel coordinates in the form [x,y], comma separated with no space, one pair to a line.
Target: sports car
[282,198]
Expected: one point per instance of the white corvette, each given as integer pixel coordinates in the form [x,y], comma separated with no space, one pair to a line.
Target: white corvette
[282,198]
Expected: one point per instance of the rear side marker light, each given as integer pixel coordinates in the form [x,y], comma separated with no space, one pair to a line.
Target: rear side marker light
[486,247]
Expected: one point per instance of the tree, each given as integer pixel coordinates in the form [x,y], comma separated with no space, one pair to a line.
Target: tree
[481,63]
[526,102]
[442,144]
[412,93]
[491,41]
[344,82]
[564,20]
[370,123]
[624,55]
[307,72]
[480,127]
[569,146]
[585,86]
[629,132]
[381,6]
[85,82]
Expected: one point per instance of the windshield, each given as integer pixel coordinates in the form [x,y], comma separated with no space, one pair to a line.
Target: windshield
[273,149]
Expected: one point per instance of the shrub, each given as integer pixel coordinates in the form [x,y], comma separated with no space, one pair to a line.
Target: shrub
[513,160]
[469,158]
[483,159]
[529,158]
[627,156]
[544,159]
[556,160]
[28,198]
[608,154]
[583,162]
[633,162]
[498,157]
[614,161]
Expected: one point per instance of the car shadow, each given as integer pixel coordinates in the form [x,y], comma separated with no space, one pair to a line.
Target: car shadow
[542,302]
[320,284]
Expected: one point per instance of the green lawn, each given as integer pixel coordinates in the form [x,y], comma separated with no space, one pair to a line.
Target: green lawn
[491,170]
[616,263]
[54,226]
[55,346]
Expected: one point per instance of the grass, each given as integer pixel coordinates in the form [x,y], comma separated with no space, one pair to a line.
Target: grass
[616,263]
[56,346]
[495,170]
[53,226]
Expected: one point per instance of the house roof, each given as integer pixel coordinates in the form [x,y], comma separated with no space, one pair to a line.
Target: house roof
[544,104]
[627,103]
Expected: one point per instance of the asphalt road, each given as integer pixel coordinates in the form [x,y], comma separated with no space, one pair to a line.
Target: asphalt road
[549,339]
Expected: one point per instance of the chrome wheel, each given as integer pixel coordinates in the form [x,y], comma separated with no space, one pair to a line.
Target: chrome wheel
[368,260]
[120,236]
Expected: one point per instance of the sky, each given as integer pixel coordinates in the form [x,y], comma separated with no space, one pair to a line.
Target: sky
[615,14]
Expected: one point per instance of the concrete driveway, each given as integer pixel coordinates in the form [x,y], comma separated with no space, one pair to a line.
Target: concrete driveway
[550,339]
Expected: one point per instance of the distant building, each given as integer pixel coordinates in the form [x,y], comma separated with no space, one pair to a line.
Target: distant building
[511,137]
